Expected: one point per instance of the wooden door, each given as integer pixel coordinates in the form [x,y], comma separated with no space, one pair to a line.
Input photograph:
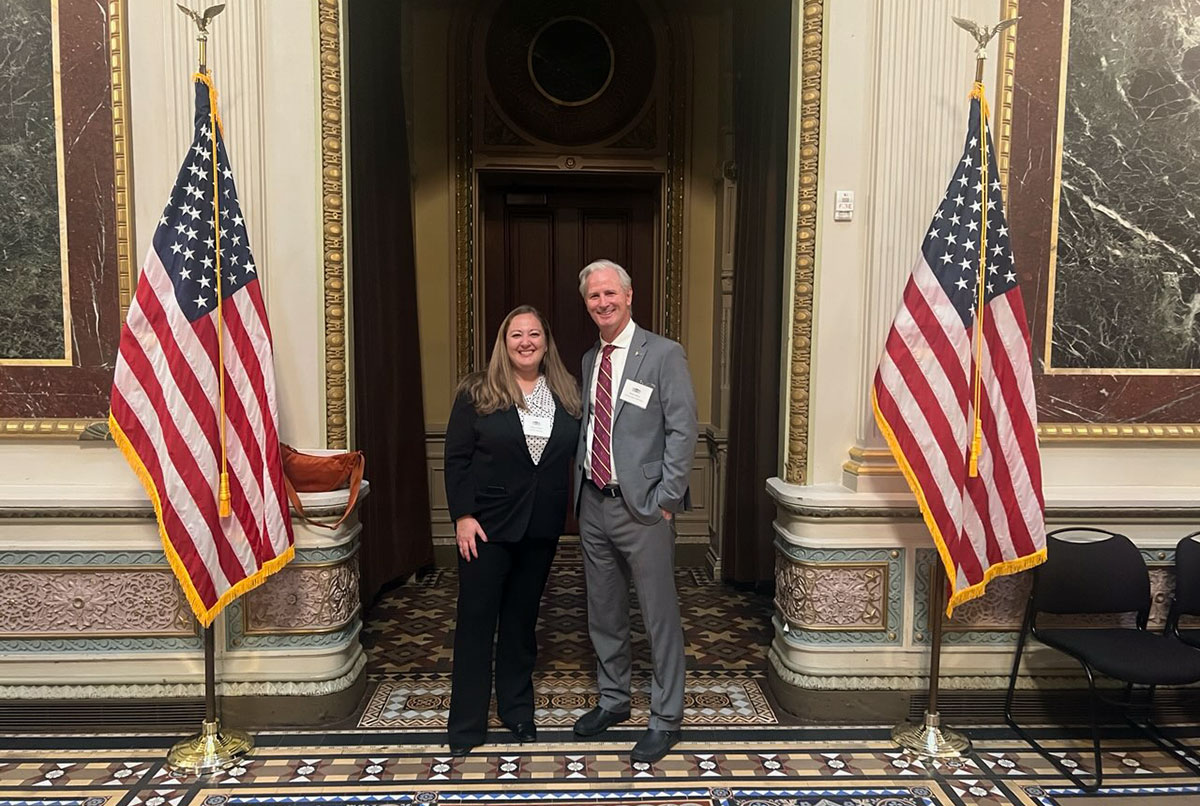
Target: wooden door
[538,233]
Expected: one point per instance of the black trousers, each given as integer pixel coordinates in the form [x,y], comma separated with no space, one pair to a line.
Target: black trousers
[503,584]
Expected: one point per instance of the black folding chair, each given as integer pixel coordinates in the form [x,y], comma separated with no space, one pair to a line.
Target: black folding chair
[1187,589]
[1103,573]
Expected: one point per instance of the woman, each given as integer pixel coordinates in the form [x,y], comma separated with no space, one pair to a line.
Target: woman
[509,444]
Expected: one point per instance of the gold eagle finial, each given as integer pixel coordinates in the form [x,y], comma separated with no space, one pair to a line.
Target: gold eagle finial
[983,35]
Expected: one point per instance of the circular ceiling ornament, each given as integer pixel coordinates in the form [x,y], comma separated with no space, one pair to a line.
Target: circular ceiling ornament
[571,61]
[570,72]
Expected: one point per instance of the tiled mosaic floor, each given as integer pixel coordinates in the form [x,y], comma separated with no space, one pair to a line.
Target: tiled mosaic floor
[739,748]
[411,629]
[799,771]
[409,639]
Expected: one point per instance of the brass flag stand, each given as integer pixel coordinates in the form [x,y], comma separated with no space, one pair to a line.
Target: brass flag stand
[929,739]
[214,748]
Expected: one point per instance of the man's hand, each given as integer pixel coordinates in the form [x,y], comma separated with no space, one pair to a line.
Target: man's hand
[666,514]
[466,529]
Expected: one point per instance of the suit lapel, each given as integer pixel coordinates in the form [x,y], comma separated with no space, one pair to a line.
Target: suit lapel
[589,361]
[633,362]
[512,420]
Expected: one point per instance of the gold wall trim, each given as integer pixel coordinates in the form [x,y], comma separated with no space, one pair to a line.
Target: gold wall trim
[123,173]
[464,207]
[1135,432]
[812,50]
[1004,97]
[333,217]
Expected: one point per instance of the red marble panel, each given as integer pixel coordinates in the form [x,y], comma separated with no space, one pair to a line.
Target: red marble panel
[1097,397]
[81,390]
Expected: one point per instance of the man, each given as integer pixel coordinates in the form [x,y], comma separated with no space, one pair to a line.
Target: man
[631,469]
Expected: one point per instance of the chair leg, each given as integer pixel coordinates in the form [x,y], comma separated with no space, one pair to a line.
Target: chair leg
[1012,677]
[1173,747]
[1095,725]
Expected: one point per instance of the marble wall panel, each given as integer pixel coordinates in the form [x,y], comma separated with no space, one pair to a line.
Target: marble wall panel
[1127,278]
[1102,205]
[72,381]
[32,324]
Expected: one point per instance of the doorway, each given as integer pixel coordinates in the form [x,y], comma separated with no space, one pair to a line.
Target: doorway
[539,230]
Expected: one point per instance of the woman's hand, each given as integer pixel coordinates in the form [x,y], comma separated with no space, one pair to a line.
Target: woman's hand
[465,530]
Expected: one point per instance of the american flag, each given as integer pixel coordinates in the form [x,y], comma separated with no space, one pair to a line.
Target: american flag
[166,397]
[924,395]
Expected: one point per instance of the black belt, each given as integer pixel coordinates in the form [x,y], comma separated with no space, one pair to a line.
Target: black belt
[611,491]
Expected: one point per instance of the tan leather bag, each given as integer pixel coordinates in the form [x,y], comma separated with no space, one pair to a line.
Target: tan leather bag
[306,473]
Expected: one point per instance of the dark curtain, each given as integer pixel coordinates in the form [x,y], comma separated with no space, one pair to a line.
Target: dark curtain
[389,416]
[761,56]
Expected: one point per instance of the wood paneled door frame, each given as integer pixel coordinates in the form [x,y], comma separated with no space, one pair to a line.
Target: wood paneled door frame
[537,229]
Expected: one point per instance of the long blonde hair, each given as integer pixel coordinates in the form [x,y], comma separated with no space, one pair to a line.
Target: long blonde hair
[496,387]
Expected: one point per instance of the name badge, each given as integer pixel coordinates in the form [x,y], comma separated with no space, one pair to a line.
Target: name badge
[539,426]
[636,393]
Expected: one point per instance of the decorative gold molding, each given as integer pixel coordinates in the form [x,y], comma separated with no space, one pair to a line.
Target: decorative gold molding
[1008,68]
[796,466]
[464,193]
[333,218]
[1131,432]
[677,93]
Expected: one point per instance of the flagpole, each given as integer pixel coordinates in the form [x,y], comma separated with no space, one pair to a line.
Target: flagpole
[212,749]
[929,739]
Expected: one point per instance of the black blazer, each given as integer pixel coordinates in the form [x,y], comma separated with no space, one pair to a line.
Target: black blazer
[490,474]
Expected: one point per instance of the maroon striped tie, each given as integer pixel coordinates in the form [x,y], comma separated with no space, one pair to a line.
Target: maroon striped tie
[602,423]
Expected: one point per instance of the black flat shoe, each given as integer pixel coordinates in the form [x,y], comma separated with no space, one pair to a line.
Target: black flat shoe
[523,732]
[653,745]
[460,750]
[598,720]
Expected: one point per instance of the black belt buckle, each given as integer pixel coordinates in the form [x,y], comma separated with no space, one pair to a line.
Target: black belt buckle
[611,491]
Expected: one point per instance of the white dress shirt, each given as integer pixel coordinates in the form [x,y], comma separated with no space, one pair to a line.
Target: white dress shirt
[621,343]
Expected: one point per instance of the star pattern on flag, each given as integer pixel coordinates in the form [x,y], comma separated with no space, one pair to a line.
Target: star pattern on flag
[186,239]
[952,244]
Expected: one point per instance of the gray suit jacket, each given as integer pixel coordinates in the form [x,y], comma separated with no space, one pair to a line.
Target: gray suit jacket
[653,447]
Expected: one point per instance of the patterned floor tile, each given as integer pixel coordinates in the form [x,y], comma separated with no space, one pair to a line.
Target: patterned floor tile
[412,628]
[421,701]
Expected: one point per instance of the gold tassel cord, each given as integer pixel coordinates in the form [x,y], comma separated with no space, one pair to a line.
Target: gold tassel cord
[977,429]
[224,500]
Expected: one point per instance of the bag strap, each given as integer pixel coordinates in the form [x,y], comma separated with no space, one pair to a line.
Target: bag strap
[356,477]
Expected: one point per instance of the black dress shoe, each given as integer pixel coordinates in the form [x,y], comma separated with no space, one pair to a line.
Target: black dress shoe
[460,750]
[653,745]
[523,732]
[598,720]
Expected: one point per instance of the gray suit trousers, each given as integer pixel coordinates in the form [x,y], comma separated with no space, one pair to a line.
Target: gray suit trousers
[616,549]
